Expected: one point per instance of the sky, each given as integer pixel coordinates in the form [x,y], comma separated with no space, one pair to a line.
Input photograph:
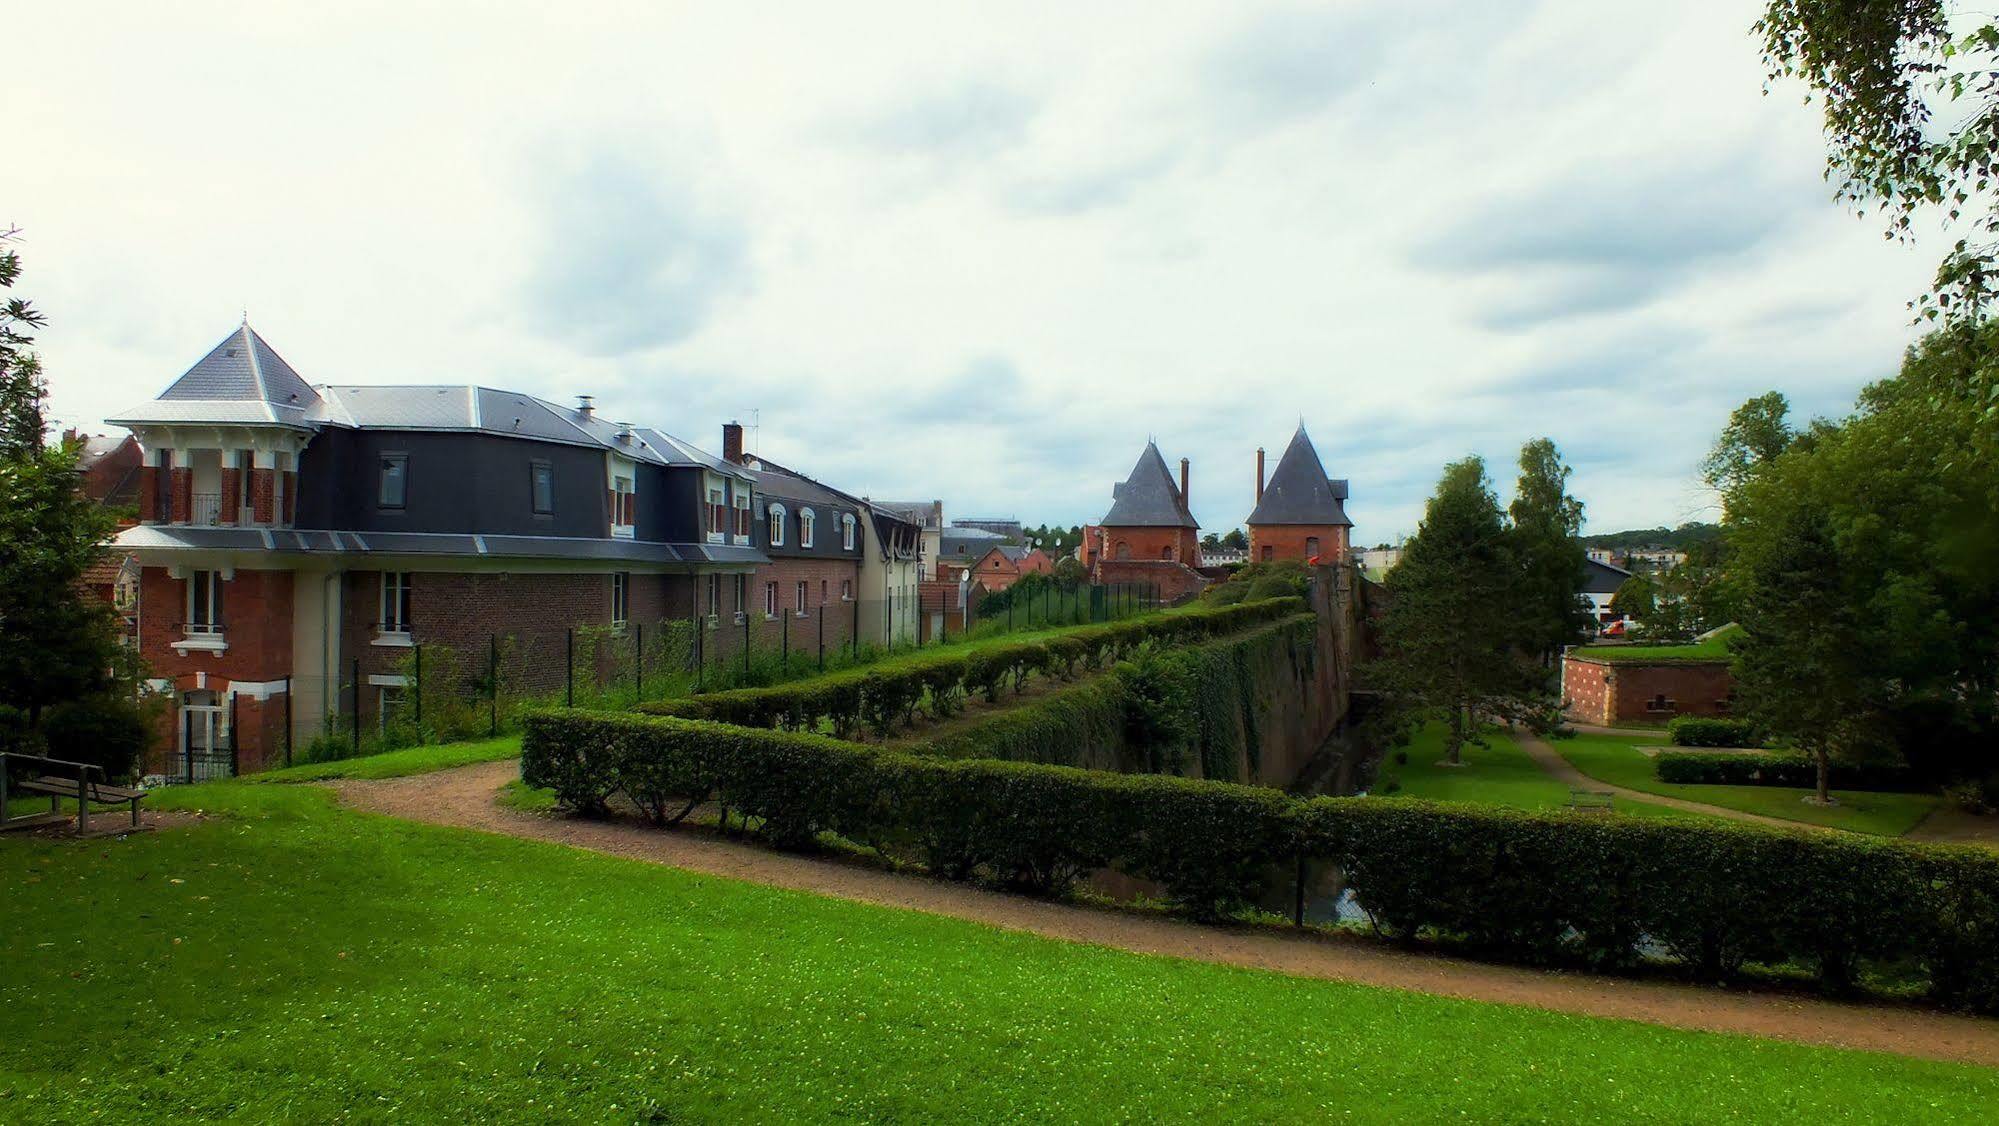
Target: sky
[974,252]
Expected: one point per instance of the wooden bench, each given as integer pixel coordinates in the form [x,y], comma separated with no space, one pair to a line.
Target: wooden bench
[1591,801]
[80,785]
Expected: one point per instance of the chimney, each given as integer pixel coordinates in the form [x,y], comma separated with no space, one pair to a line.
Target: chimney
[1183,482]
[1259,474]
[585,405]
[732,442]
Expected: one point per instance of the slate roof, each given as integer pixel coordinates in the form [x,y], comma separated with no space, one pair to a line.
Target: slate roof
[964,542]
[242,379]
[1298,491]
[1148,498]
[176,538]
[1602,578]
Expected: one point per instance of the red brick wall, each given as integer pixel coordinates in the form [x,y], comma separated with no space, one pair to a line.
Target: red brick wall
[1609,693]
[260,495]
[1287,541]
[257,626]
[1148,543]
[149,494]
[1175,581]
[231,498]
[182,481]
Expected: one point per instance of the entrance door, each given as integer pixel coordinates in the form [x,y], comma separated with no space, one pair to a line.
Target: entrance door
[204,738]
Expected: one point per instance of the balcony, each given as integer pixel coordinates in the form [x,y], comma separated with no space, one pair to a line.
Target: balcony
[200,637]
[205,509]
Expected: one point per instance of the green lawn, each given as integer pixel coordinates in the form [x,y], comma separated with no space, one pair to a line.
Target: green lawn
[1613,759]
[293,961]
[1500,774]
[395,764]
[1715,648]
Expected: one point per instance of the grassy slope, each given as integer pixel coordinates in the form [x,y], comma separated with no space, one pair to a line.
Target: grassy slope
[395,764]
[299,962]
[1613,759]
[1500,774]
[1715,648]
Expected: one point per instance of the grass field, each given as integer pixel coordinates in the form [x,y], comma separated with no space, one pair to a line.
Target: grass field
[1715,648]
[1613,759]
[1500,774]
[294,961]
[396,764]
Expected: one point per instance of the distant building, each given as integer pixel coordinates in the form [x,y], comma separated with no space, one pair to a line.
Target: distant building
[1223,557]
[1376,561]
[1301,513]
[1003,526]
[1149,537]
[1005,564]
[1600,582]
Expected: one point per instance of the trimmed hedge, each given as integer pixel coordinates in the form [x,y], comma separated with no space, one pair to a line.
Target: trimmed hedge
[1713,731]
[1082,725]
[1694,768]
[883,698]
[1524,886]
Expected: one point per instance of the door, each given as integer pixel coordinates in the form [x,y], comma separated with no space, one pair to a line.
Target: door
[204,738]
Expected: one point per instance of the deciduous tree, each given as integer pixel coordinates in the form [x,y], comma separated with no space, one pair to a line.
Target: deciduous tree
[1548,550]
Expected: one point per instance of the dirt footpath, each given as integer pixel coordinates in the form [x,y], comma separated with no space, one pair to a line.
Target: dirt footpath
[465,797]
[1560,769]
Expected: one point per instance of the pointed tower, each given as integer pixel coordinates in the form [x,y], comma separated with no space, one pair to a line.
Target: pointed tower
[1149,518]
[1301,513]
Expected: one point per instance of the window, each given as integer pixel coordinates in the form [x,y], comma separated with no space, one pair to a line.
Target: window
[846,531]
[770,600]
[714,595]
[743,513]
[822,592]
[395,480]
[1166,553]
[846,590]
[541,479]
[776,534]
[281,464]
[621,597]
[1660,703]
[1311,546]
[742,593]
[1269,553]
[805,522]
[1123,550]
[801,598]
[624,506]
[718,520]
[388,705]
[204,602]
[395,602]
[245,462]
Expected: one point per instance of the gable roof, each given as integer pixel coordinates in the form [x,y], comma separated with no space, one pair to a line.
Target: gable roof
[1298,491]
[1602,578]
[1148,498]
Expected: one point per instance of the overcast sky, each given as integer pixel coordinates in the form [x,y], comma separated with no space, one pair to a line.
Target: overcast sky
[974,252]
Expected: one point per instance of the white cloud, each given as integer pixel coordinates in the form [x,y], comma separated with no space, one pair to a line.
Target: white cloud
[981,252]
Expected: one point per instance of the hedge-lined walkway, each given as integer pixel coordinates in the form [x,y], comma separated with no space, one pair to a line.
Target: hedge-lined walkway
[464,797]
[1559,768]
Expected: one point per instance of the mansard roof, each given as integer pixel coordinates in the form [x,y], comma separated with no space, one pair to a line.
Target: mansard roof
[241,380]
[1148,498]
[1298,491]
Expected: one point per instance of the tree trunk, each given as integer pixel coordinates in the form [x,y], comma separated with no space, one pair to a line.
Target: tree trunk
[1455,741]
[1824,760]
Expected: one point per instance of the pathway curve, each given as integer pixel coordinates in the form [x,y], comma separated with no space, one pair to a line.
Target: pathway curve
[1551,761]
[465,797]
[1948,824]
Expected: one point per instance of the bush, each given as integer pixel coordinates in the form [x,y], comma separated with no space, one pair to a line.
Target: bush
[1796,771]
[103,730]
[1534,887]
[1713,731]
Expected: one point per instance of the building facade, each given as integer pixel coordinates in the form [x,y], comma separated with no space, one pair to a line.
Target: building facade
[1301,513]
[1149,537]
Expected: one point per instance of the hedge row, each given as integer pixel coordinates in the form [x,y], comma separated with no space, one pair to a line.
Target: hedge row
[1791,770]
[884,698]
[1524,886]
[1081,725]
[1713,731]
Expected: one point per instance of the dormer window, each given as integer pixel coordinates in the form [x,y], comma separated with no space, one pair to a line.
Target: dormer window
[743,513]
[395,483]
[776,534]
[718,515]
[847,531]
[805,522]
[624,506]
[541,487]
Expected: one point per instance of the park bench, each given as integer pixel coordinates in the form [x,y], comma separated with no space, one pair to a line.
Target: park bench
[78,783]
[1590,801]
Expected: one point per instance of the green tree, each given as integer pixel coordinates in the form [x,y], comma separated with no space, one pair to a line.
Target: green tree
[1911,122]
[1235,540]
[1637,597]
[55,644]
[1447,635]
[1548,549]
[1756,433]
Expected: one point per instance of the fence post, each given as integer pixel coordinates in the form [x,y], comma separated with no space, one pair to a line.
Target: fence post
[700,648]
[357,705]
[493,685]
[1009,615]
[639,662]
[746,643]
[234,699]
[822,637]
[784,629]
[419,687]
[288,719]
[569,667]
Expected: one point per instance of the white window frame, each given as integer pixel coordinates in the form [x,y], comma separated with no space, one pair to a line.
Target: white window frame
[774,530]
[770,600]
[621,598]
[210,582]
[714,597]
[396,593]
[742,596]
[743,517]
[624,496]
[847,529]
[717,518]
[846,590]
[803,593]
[806,518]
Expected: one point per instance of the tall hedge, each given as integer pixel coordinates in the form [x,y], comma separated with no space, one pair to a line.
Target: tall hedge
[883,698]
[1523,886]
[1792,770]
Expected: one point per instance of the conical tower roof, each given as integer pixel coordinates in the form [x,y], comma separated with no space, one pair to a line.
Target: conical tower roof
[1148,498]
[1298,491]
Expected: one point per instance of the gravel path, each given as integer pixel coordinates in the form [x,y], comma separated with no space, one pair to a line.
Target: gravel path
[1551,761]
[465,797]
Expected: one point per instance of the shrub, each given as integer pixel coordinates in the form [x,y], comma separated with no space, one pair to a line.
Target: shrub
[1081,725]
[1797,771]
[103,730]
[1535,887]
[1712,731]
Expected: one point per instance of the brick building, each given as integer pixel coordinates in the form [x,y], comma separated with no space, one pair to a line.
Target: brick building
[298,541]
[1004,565]
[1301,513]
[1149,537]
[1598,688]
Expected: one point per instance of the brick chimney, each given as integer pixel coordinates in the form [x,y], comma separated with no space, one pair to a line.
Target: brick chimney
[732,442]
[1183,483]
[1259,474]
